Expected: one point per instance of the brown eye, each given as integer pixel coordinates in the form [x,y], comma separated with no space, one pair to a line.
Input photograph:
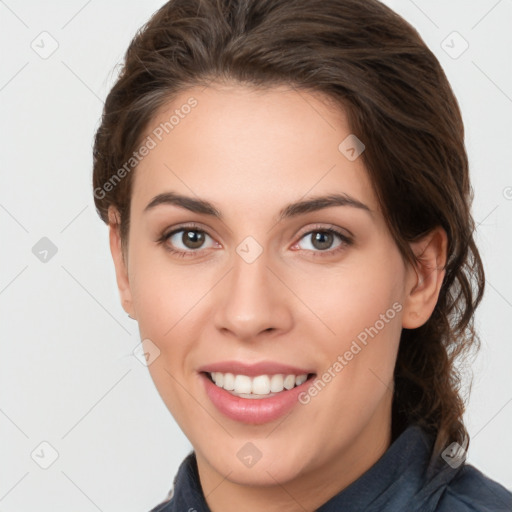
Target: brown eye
[192,239]
[186,240]
[322,240]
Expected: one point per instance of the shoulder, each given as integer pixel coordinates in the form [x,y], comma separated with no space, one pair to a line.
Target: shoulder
[165,505]
[472,491]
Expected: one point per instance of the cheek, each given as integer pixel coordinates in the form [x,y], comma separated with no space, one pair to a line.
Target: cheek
[359,359]
[352,297]
[167,303]
[164,294]
[360,302]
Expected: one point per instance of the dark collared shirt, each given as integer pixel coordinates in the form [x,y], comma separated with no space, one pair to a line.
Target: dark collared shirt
[402,480]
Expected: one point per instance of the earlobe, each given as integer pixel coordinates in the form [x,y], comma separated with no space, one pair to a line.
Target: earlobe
[121,270]
[426,278]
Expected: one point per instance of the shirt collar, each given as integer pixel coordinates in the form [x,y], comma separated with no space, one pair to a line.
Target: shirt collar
[402,478]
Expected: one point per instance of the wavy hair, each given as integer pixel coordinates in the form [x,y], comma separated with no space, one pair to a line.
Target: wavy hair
[372,64]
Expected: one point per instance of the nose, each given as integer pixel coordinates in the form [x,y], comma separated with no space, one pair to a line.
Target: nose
[253,301]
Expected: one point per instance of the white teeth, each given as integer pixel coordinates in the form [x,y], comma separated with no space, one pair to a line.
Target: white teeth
[289,381]
[254,387]
[219,379]
[276,383]
[300,379]
[229,381]
[261,385]
[243,384]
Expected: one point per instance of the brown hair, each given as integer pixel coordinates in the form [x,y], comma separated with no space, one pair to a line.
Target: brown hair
[373,65]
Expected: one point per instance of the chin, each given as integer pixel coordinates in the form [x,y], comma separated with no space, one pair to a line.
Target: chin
[269,469]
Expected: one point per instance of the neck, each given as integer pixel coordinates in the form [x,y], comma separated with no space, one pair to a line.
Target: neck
[309,489]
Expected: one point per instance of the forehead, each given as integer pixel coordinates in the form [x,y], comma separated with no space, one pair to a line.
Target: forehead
[250,148]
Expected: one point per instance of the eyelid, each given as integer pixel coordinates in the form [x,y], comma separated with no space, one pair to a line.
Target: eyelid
[345,240]
[193,226]
[326,227]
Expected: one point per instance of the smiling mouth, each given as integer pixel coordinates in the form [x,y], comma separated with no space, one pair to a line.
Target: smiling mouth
[257,387]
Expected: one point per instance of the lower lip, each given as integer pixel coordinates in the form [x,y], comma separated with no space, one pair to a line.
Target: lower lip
[255,411]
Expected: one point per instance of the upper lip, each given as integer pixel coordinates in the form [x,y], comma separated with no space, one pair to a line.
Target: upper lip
[253,369]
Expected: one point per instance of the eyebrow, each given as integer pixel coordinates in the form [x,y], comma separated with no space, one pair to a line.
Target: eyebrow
[291,210]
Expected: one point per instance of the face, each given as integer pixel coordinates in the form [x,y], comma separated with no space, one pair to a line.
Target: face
[247,285]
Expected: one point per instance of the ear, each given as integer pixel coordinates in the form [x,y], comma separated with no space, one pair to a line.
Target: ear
[425,278]
[123,284]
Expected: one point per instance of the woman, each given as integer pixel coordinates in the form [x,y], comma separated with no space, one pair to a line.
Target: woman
[288,197]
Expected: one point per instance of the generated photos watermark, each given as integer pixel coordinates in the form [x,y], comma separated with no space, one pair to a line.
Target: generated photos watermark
[149,143]
[344,359]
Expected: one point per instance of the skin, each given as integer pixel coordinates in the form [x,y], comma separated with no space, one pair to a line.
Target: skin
[251,152]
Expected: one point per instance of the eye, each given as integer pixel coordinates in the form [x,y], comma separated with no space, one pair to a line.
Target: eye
[184,241]
[322,239]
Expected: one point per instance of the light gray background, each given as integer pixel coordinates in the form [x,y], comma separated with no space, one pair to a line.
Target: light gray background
[67,373]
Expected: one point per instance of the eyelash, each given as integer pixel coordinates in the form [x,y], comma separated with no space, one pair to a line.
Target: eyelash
[345,241]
